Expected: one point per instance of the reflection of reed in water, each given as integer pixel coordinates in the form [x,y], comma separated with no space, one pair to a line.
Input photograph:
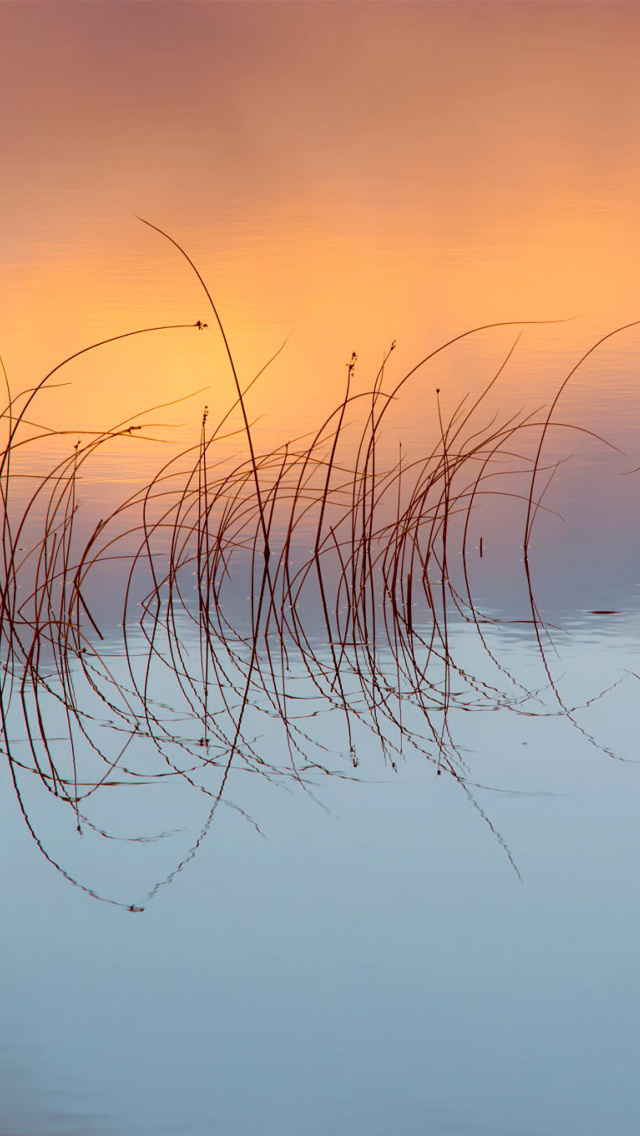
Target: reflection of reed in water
[312,588]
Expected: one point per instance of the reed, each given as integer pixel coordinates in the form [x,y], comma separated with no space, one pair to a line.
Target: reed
[313,583]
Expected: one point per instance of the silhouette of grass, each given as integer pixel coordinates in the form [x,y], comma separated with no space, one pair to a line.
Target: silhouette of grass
[311,584]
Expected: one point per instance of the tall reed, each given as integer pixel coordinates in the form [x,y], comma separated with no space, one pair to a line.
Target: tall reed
[314,583]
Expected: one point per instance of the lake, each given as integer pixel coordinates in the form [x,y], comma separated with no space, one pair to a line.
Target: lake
[319,702]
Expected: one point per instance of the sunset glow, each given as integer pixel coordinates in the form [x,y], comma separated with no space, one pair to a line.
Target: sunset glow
[319,333]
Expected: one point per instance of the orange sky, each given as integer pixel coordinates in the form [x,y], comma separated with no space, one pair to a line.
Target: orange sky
[350,172]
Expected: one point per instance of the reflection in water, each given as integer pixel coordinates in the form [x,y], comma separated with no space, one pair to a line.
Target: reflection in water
[316,583]
[307,618]
[324,978]
[359,173]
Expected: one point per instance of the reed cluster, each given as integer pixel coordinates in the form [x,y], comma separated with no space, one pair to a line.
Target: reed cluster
[285,615]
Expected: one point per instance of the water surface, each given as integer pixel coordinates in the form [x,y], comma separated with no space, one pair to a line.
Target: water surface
[355,174]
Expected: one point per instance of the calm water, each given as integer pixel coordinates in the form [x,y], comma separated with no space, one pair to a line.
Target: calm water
[353,174]
[379,968]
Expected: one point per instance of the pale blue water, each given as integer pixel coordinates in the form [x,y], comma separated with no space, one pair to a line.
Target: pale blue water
[376,970]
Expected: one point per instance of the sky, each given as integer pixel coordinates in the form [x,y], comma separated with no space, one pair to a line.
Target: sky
[351,173]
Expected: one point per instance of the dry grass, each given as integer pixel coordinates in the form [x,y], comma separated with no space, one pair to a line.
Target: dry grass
[313,587]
